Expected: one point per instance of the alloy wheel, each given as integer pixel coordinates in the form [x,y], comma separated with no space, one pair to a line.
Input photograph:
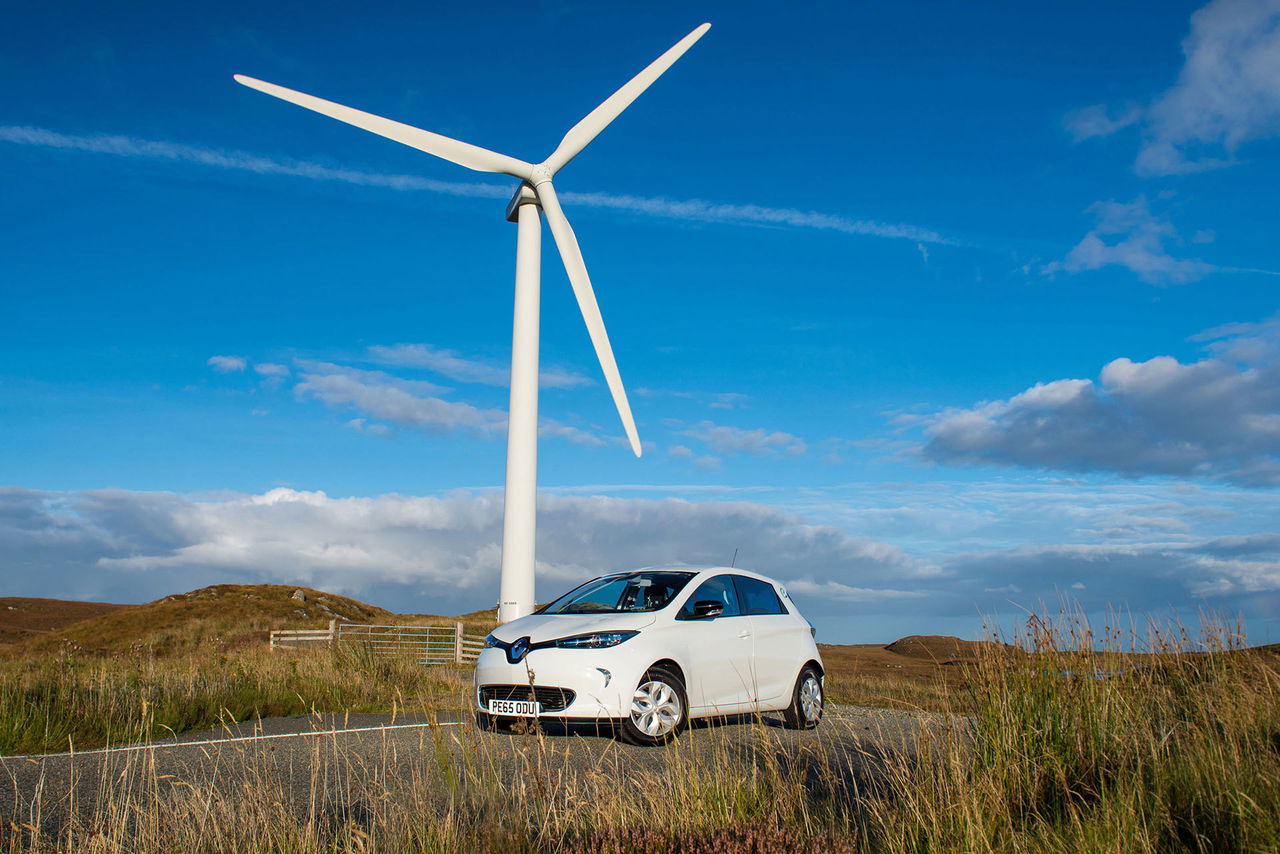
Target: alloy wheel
[656,709]
[811,698]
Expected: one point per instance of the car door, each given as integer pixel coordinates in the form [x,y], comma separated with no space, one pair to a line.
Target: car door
[778,651]
[720,650]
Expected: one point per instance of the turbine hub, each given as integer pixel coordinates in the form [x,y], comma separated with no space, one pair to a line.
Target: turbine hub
[541,174]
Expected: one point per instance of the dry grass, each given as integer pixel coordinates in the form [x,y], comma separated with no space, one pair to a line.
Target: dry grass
[1180,751]
[83,701]
[916,673]
[22,618]
[1117,742]
[212,620]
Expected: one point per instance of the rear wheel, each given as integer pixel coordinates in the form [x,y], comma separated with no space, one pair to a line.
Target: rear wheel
[805,711]
[658,711]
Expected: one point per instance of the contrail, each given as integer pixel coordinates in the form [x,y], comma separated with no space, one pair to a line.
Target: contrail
[695,210]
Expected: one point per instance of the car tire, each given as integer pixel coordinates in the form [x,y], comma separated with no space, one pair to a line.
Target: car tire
[659,709]
[807,700]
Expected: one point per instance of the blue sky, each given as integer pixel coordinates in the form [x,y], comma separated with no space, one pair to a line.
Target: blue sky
[932,310]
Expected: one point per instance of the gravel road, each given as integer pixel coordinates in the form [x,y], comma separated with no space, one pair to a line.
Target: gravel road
[329,760]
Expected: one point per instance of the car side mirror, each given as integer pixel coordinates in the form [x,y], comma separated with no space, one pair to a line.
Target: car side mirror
[705,608]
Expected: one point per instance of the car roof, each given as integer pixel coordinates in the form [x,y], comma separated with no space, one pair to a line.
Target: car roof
[700,570]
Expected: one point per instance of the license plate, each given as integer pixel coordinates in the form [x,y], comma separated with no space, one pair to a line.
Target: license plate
[516,708]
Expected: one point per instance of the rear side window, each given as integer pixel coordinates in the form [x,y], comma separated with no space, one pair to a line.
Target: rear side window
[719,589]
[758,597]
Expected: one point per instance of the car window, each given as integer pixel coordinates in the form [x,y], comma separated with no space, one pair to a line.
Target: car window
[719,589]
[635,591]
[758,597]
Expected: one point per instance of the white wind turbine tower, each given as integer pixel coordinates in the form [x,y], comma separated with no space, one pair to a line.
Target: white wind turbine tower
[516,594]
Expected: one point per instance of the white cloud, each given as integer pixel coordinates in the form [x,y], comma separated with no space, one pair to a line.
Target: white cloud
[226,364]
[1137,242]
[1227,93]
[406,403]
[438,554]
[704,211]
[1098,120]
[269,369]
[130,146]
[736,440]
[548,427]
[1146,576]
[441,554]
[680,451]
[834,590]
[696,210]
[414,404]
[371,428]
[728,400]
[1218,418]
[456,367]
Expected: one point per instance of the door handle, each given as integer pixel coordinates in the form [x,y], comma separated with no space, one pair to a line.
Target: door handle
[744,634]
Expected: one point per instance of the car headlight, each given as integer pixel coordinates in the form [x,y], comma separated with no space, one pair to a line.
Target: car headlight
[595,640]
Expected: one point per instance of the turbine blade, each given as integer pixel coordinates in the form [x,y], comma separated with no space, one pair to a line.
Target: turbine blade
[581,134]
[462,153]
[571,255]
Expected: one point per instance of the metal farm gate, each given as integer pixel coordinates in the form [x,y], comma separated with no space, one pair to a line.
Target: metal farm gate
[427,644]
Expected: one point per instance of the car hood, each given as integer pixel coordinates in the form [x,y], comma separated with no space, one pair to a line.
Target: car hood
[545,627]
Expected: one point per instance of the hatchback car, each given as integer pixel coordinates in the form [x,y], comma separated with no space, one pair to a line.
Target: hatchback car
[651,649]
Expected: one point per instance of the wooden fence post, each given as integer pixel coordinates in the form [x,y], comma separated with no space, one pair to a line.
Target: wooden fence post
[333,632]
[457,642]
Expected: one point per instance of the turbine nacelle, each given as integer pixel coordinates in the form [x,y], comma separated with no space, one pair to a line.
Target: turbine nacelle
[524,196]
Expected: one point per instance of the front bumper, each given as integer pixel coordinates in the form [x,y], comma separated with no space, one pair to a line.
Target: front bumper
[579,670]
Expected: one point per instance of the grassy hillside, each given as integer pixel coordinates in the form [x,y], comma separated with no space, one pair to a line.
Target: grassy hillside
[940,649]
[217,619]
[22,618]
[192,660]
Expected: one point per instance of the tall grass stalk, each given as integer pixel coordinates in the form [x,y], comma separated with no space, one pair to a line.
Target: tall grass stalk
[1121,742]
[84,701]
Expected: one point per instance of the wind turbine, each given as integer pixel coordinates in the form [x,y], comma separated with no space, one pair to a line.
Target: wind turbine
[516,589]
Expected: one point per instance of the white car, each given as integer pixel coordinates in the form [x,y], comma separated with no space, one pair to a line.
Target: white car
[653,648]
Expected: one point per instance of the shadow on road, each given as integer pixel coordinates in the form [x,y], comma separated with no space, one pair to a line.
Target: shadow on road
[607,728]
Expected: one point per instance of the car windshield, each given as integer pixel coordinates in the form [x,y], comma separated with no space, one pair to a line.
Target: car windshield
[626,593]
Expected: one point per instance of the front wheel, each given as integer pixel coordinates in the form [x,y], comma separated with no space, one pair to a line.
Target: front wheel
[805,711]
[659,709]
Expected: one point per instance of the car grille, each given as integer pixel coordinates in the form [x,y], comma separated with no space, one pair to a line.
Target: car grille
[552,699]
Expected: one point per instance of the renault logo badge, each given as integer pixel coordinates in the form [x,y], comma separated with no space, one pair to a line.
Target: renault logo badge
[518,650]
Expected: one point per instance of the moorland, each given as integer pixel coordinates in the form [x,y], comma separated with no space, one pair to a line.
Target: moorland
[1060,736]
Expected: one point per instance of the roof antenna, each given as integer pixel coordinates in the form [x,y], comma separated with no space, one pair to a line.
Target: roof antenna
[734,562]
